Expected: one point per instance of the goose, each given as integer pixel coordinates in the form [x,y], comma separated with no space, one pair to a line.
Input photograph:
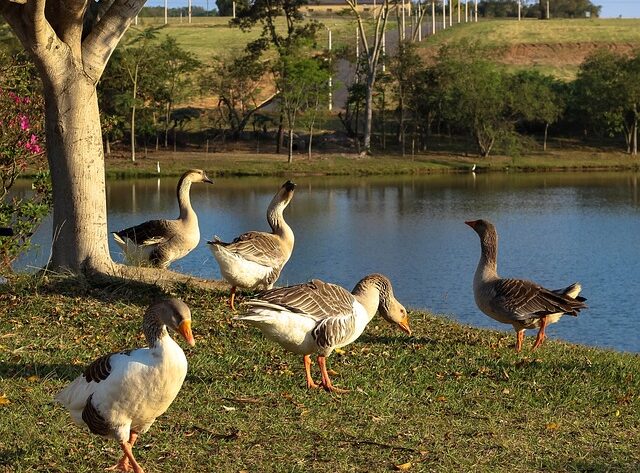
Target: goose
[254,260]
[519,302]
[318,317]
[158,243]
[121,394]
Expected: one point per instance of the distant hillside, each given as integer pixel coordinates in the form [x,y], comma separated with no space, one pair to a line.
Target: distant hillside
[556,46]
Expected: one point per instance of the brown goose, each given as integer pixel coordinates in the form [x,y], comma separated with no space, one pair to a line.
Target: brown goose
[518,302]
[317,317]
[158,243]
[254,260]
[120,395]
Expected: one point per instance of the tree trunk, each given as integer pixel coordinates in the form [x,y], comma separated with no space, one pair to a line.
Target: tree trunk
[546,131]
[368,115]
[290,157]
[76,161]
[133,115]
[634,149]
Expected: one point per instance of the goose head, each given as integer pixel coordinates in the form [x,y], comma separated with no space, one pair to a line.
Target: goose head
[174,314]
[485,230]
[284,195]
[197,175]
[387,305]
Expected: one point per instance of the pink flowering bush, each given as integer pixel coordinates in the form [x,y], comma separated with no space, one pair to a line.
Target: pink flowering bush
[21,148]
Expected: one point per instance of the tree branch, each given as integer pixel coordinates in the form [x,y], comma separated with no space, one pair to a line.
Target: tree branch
[106,34]
[66,19]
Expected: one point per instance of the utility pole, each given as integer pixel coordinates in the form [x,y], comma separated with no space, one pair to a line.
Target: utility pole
[548,14]
[166,14]
[450,12]
[458,10]
[189,11]
[466,11]
[476,11]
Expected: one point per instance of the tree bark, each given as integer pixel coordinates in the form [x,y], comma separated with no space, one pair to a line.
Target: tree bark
[71,56]
[546,131]
[76,162]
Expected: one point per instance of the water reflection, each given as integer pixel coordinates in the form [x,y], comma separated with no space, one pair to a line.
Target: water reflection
[554,228]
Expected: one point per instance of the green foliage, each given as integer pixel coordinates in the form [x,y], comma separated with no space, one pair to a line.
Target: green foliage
[606,94]
[225,7]
[537,8]
[21,147]
[159,70]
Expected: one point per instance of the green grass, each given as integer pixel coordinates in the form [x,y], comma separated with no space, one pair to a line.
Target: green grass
[530,31]
[248,164]
[449,398]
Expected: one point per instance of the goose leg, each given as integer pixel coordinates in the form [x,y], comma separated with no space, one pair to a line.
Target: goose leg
[541,336]
[123,464]
[326,381]
[232,298]
[311,384]
[519,340]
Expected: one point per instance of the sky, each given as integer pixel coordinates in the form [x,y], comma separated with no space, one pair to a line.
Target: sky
[610,8]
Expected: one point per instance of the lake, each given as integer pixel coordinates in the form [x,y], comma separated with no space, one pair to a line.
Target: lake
[554,228]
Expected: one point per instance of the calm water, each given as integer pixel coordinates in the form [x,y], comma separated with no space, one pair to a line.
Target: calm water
[553,228]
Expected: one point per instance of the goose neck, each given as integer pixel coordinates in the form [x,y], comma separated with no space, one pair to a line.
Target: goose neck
[184,200]
[154,330]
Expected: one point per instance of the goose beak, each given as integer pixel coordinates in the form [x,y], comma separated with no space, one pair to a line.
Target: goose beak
[404,325]
[206,179]
[184,329]
[471,223]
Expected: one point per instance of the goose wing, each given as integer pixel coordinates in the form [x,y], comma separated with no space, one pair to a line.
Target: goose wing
[316,298]
[522,300]
[259,247]
[148,233]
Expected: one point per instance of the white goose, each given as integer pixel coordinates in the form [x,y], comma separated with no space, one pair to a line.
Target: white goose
[120,395]
[518,302]
[254,260]
[317,317]
[158,243]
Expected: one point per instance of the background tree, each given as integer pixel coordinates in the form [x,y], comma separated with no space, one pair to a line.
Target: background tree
[300,77]
[475,95]
[70,43]
[606,96]
[371,56]
[536,98]
[236,82]
[225,7]
[297,30]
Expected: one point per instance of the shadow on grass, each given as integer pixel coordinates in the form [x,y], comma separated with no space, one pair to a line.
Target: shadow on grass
[109,289]
[63,372]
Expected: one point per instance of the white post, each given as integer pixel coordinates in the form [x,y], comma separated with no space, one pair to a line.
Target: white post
[433,18]
[330,78]
[189,11]
[476,12]
[450,12]
[166,12]
[519,10]
[419,21]
[459,11]
[466,11]
[158,167]
[384,51]
[404,26]
[234,9]
[548,14]
[444,15]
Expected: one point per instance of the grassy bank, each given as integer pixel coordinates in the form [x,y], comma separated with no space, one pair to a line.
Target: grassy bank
[449,398]
[242,164]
